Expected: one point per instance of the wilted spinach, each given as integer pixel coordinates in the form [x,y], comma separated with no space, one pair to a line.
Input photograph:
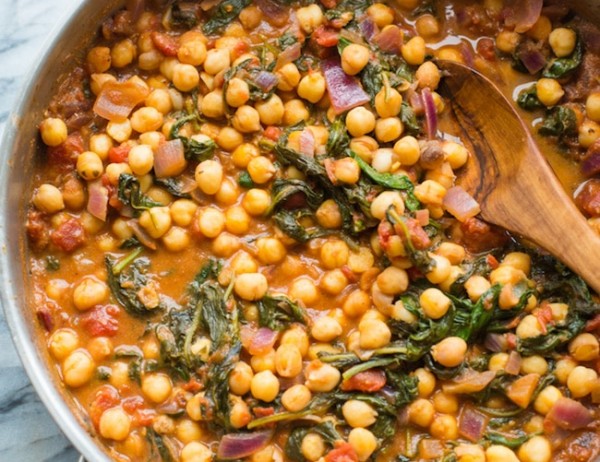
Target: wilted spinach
[560,121]
[528,99]
[223,14]
[130,193]
[193,150]
[277,312]
[560,68]
[293,445]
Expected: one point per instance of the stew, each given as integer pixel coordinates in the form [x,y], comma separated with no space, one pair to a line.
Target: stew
[247,241]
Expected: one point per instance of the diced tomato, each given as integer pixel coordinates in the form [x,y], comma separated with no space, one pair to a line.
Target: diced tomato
[38,229]
[329,4]
[343,452]
[101,321]
[166,44]
[263,411]
[66,153]
[193,385]
[593,324]
[492,261]
[418,236]
[132,404]
[368,381]
[240,48]
[544,316]
[273,133]
[349,274]
[119,153]
[521,390]
[330,170]
[385,231]
[69,235]
[478,236]
[44,315]
[511,341]
[143,417]
[486,49]
[106,397]
[326,37]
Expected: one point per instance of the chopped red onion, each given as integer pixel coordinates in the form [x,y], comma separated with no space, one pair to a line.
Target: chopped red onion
[368,28]
[513,365]
[570,414]
[266,81]
[495,343]
[169,159]
[97,204]
[523,14]
[469,381]
[141,234]
[239,445]
[533,59]
[344,91]
[430,113]
[274,12]
[116,100]
[590,165]
[460,204]
[307,143]
[262,341]
[352,36]
[289,55]
[390,39]
[472,424]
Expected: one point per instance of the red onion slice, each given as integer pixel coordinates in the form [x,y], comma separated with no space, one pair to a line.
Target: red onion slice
[307,143]
[430,113]
[274,12]
[460,204]
[239,445]
[472,424]
[590,165]
[344,91]
[288,55]
[513,365]
[97,204]
[368,28]
[570,414]
[390,40]
[262,341]
[141,234]
[116,100]
[169,159]
[523,14]
[266,81]
[533,59]
[469,381]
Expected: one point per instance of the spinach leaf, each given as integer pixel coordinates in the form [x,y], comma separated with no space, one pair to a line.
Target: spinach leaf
[338,140]
[528,99]
[510,441]
[161,446]
[562,67]
[52,263]
[560,121]
[183,15]
[288,223]
[130,193]
[223,14]
[286,40]
[126,279]
[420,258]
[245,180]
[173,187]
[277,312]
[284,189]
[293,445]
[194,150]
[409,119]
[471,318]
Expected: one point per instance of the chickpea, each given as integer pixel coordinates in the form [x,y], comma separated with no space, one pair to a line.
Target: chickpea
[182,211]
[346,170]
[296,398]
[256,201]
[212,105]
[445,402]
[119,131]
[78,368]
[98,60]
[592,107]
[288,361]
[363,442]
[381,14]
[408,151]
[48,199]
[584,347]
[413,51]
[312,447]
[357,303]
[360,121]
[326,329]
[421,412]
[270,111]
[427,26]
[119,376]
[141,159]
[89,165]
[549,91]
[270,250]
[156,387]
[289,77]
[229,139]
[358,414]
[263,362]
[243,154]
[156,221]
[497,453]
[63,342]
[239,415]
[115,424]
[53,131]
[209,176]
[240,378]
[384,201]
[581,381]
[562,41]
[444,427]
[100,348]
[534,365]
[328,215]
[355,58]
[264,386]
[192,49]
[450,352]
[440,271]
[426,383]
[374,334]
[537,449]
[334,254]
[428,75]
[498,362]
[434,303]
[246,119]
[321,377]
[217,60]
[563,369]
[123,53]
[250,17]
[294,112]
[529,327]
[296,335]
[392,280]
[388,129]
[541,29]
[305,290]
[196,452]
[238,92]
[187,431]
[309,17]
[546,399]
[507,41]
[312,87]
[237,220]
[261,169]
[211,222]
[114,170]
[589,132]
[388,102]
[469,453]
[89,293]
[333,282]
[101,144]
[251,286]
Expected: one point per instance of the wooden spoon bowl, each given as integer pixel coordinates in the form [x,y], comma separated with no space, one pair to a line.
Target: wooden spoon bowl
[510,178]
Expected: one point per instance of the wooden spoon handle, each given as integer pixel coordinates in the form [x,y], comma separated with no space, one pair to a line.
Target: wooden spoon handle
[512,181]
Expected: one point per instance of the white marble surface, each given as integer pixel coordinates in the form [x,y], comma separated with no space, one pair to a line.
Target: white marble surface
[27,432]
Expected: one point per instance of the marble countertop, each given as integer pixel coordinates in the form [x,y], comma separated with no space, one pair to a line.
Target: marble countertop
[27,432]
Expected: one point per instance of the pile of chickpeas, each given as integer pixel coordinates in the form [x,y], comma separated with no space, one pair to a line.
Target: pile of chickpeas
[350,297]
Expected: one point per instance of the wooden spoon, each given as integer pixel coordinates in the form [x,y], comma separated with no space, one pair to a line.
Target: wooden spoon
[510,178]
